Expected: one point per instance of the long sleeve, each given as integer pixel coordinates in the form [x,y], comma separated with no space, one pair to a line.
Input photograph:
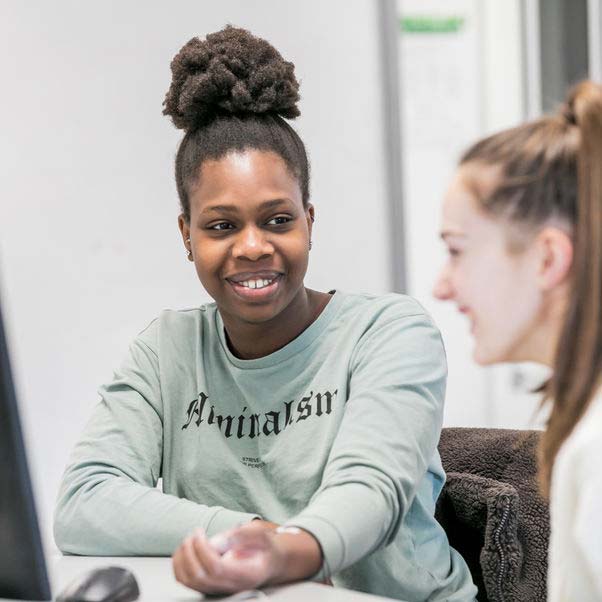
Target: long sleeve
[588,527]
[387,439]
[108,502]
[575,561]
[588,519]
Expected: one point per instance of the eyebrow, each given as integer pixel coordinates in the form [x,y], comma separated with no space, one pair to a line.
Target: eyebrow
[233,208]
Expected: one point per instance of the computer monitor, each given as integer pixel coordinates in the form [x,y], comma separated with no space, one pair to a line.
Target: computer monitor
[23,574]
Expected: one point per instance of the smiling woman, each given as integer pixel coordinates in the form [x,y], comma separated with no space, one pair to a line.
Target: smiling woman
[522,221]
[248,235]
[295,431]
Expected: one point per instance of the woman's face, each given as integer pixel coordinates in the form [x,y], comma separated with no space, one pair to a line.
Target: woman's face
[495,285]
[249,234]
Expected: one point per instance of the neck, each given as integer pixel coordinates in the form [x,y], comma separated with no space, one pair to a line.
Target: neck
[249,340]
[542,343]
[541,347]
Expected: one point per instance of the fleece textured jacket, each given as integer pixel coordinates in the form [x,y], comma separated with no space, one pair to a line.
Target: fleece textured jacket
[335,433]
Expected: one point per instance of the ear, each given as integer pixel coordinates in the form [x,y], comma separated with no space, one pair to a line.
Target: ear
[185,231]
[310,216]
[556,257]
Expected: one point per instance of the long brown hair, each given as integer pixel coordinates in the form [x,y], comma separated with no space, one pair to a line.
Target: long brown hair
[552,168]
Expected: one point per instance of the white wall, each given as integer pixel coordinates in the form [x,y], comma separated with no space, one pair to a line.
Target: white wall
[89,248]
[441,87]
[457,87]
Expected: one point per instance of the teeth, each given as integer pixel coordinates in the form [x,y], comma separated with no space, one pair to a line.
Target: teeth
[261,283]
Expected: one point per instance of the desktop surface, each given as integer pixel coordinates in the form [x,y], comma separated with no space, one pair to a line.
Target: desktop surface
[157,583]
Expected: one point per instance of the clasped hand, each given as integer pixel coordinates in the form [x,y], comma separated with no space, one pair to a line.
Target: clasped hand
[247,557]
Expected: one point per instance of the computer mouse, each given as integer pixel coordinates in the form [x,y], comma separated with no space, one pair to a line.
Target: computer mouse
[108,584]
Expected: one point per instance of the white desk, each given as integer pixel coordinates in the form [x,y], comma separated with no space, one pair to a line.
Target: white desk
[157,583]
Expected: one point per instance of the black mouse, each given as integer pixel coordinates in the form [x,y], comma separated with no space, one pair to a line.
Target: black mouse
[109,584]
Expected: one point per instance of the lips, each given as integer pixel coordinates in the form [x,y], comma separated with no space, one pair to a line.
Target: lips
[255,286]
[260,275]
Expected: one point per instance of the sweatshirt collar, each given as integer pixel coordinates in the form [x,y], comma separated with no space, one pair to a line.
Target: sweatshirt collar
[306,338]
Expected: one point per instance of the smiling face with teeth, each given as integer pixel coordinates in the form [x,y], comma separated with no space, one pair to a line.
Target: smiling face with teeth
[249,236]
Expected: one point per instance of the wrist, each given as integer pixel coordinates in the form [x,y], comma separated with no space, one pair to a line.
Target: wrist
[300,553]
[266,524]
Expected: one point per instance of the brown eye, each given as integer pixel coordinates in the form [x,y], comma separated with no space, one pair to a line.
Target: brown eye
[279,220]
[221,226]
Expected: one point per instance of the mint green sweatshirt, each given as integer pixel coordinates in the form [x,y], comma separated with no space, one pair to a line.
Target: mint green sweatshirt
[335,433]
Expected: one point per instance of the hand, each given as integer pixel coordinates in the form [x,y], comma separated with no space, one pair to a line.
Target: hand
[235,560]
[245,558]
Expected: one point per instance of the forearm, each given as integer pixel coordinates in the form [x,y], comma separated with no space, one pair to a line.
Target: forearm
[349,521]
[117,517]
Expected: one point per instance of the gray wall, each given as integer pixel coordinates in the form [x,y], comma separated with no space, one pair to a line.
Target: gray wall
[89,249]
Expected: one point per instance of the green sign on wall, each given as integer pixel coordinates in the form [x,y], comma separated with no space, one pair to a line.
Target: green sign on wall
[427,24]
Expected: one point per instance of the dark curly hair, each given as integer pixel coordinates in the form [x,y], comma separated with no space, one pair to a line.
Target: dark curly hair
[231,92]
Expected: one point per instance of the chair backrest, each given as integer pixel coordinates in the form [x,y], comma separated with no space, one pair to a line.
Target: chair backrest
[493,513]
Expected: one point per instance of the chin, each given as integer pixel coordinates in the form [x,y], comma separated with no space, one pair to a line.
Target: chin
[256,318]
[257,314]
[487,357]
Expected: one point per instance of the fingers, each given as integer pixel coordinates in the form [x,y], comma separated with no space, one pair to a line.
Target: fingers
[208,558]
[230,562]
[198,566]
[191,567]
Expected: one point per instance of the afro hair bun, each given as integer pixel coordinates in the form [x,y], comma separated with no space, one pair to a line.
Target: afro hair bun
[231,72]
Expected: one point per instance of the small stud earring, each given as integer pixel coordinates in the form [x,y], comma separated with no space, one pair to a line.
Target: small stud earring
[310,245]
[189,252]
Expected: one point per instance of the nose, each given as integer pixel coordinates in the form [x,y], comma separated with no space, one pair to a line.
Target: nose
[443,289]
[251,243]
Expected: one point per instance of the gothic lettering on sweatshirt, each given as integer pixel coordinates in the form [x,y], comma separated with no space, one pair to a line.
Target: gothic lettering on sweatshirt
[202,412]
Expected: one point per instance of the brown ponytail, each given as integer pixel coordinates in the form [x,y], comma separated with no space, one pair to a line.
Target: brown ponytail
[578,362]
[552,168]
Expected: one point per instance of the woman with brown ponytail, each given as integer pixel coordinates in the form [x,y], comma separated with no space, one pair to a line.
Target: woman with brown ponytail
[522,221]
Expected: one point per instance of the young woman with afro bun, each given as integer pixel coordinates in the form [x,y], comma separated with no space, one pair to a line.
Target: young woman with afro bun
[295,431]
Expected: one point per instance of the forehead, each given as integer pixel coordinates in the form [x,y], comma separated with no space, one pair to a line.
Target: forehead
[245,177]
[462,208]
